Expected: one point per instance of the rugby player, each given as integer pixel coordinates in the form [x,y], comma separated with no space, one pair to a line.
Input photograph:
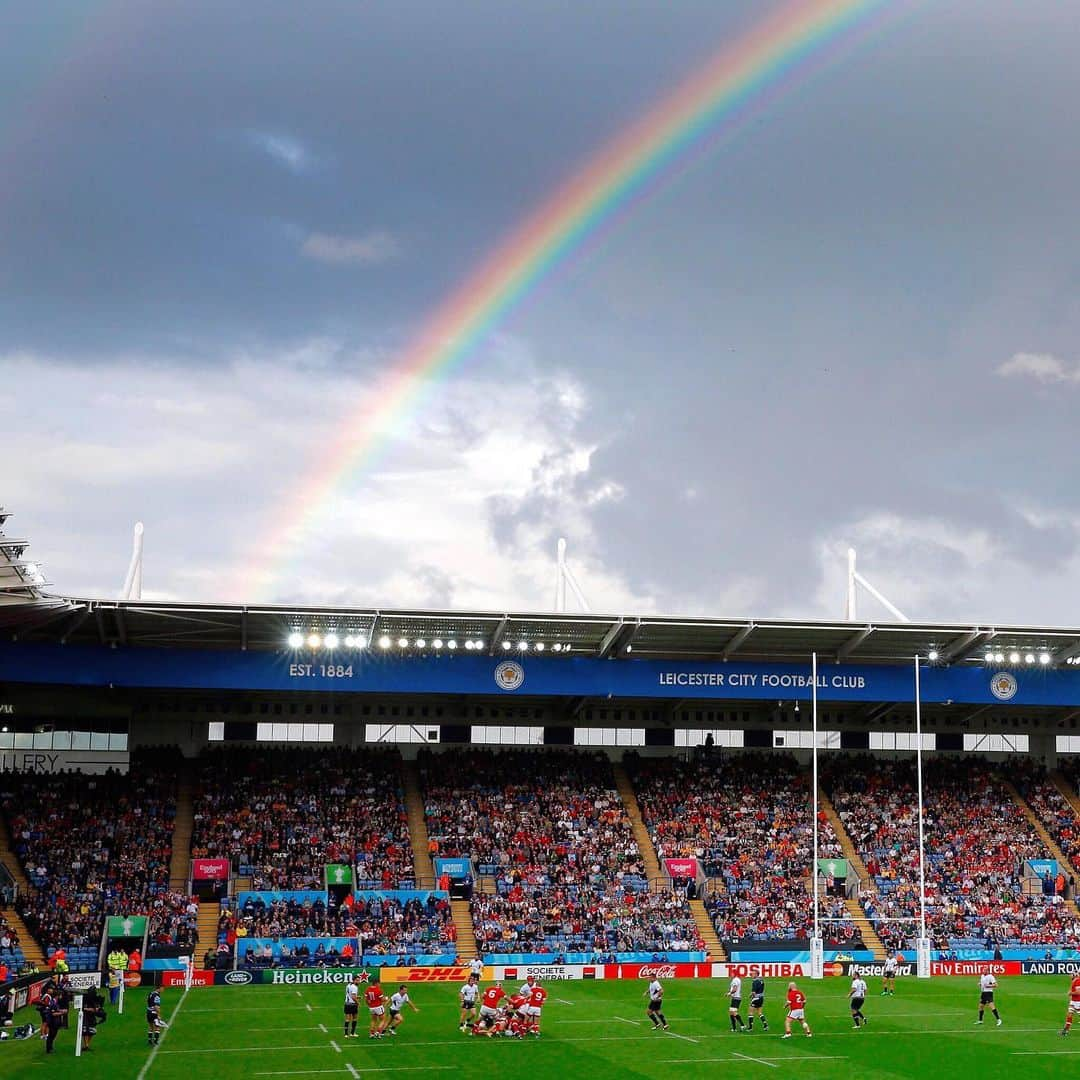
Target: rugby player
[757,1004]
[1074,1005]
[154,1023]
[490,1005]
[351,1006]
[987,984]
[375,999]
[655,993]
[468,995]
[888,976]
[532,1010]
[857,994]
[796,1010]
[398,1001]
[734,994]
[476,967]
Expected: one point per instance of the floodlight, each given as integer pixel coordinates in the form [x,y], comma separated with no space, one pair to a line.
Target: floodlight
[999,657]
[1014,657]
[557,647]
[629,648]
[469,644]
[296,639]
[478,645]
[437,643]
[507,646]
[1044,658]
[539,646]
[384,642]
[1030,658]
[932,656]
[314,641]
[989,657]
[360,641]
[451,644]
[331,640]
[403,642]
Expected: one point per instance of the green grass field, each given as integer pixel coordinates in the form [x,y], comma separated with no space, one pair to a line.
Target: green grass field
[593,1029]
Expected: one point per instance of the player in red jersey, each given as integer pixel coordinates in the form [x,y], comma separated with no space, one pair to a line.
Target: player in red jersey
[1074,1005]
[373,995]
[796,1006]
[489,1006]
[537,997]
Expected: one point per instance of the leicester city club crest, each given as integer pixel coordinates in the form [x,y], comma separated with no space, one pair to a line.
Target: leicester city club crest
[509,675]
[1003,686]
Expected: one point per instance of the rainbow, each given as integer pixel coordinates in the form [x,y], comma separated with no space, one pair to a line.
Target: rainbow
[752,70]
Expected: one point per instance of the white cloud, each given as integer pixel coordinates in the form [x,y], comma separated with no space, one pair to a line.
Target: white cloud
[1043,367]
[368,250]
[286,150]
[212,458]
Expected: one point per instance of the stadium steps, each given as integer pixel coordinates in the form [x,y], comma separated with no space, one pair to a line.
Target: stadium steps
[1068,792]
[30,947]
[707,931]
[183,823]
[846,845]
[207,925]
[418,834]
[466,933]
[486,885]
[1045,837]
[866,930]
[241,884]
[641,834]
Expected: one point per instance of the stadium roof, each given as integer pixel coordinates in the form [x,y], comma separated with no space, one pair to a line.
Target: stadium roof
[207,626]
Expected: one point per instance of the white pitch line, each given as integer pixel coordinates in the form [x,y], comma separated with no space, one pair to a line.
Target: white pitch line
[298,1072]
[352,1068]
[322,1028]
[253,1049]
[621,1019]
[337,1048]
[298,994]
[684,1037]
[157,1046]
[1043,1053]
[563,1001]
[758,1061]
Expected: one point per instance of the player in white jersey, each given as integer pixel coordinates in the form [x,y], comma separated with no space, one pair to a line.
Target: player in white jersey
[476,967]
[734,994]
[888,976]
[352,1006]
[469,994]
[655,993]
[987,985]
[398,1002]
[526,987]
[857,996]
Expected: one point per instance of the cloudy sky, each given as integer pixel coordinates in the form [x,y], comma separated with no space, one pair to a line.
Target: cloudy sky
[854,323]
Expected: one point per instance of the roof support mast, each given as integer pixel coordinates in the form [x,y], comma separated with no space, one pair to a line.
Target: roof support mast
[565,576]
[854,578]
[133,582]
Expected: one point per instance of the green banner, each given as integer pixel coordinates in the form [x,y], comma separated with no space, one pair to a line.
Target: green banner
[837,868]
[127,926]
[338,874]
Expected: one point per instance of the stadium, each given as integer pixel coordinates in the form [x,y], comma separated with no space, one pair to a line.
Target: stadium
[242,808]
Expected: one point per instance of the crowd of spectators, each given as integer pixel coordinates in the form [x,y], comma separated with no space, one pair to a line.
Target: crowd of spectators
[381,925]
[550,828]
[282,815]
[977,841]
[748,819]
[91,845]
[535,817]
[584,918]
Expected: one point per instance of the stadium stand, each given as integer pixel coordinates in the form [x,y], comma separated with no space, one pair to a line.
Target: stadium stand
[746,818]
[977,844]
[282,815]
[551,831]
[92,846]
